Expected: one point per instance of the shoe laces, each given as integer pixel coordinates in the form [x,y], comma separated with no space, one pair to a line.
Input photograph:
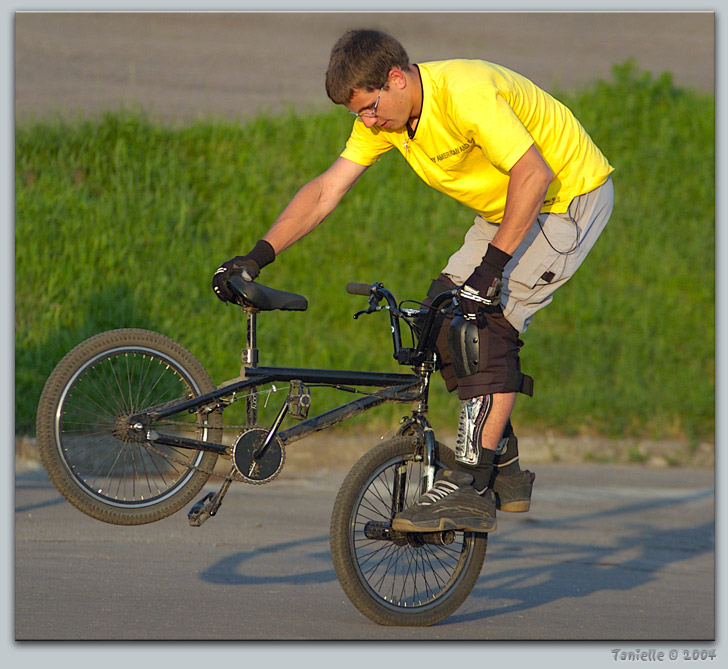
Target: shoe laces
[437,492]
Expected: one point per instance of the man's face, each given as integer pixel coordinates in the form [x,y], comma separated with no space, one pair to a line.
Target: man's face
[387,108]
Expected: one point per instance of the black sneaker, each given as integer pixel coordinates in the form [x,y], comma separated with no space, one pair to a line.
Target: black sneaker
[513,491]
[452,504]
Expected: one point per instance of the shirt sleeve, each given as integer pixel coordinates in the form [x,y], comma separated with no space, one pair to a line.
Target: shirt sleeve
[365,145]
[489,120]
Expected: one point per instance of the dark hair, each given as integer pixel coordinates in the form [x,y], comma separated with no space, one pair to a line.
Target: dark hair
[361,60]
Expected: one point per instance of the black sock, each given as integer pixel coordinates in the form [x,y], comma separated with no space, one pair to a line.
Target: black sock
[482,473]
[506,462]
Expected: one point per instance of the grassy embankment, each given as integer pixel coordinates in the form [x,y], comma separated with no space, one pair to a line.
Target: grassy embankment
[120,222]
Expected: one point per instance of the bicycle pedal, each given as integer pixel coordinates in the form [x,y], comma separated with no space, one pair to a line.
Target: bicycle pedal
[200,512]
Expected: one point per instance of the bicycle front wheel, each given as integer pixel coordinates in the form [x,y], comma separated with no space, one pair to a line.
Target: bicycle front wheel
[82,423]
[407,579]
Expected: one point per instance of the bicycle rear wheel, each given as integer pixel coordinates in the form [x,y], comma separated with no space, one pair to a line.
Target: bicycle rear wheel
[398,578]
[82,423]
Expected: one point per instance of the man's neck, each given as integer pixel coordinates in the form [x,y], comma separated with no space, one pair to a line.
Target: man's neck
[414,81]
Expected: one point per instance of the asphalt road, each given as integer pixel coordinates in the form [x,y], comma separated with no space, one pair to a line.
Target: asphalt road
[184,66]
[606,553]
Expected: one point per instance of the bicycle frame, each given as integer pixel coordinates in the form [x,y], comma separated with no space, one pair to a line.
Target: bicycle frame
[396,388]
[392,388]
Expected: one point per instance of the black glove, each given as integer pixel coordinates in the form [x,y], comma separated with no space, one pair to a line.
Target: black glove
[486,281]
[247,266]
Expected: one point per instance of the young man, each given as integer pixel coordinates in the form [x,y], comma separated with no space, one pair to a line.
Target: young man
[542,190]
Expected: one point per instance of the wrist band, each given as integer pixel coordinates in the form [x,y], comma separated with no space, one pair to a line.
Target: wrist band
[263,253]
[495,259]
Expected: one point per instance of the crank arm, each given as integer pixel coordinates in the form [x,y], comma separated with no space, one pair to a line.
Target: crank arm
[209,505]
[260,452]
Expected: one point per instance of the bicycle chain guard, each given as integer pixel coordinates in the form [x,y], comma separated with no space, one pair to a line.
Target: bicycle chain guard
[264,468]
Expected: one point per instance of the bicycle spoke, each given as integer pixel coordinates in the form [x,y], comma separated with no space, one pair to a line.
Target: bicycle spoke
[91,427]
[404,575]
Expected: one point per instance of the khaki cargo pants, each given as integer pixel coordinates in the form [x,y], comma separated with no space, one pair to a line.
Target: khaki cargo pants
[553,250]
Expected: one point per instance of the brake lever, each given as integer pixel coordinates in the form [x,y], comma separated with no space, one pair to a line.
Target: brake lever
[373,307]
[370,310]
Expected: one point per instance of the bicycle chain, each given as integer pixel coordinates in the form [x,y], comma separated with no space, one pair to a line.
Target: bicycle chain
[234,476]
[199,426]
[243,427]
[186,464]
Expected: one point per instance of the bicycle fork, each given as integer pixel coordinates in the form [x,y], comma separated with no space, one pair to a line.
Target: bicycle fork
[382,531]
[418,423]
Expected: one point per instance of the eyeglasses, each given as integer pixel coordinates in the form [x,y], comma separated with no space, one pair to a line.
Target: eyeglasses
[369,113]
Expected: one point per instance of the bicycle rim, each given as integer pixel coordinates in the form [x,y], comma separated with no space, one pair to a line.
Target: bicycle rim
[90,427]
[399,576]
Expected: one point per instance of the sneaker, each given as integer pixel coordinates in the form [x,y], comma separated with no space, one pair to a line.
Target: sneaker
[513,491]
[452,504]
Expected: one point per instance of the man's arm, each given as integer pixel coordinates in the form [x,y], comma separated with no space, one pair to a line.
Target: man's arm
[313,203]
[529,180]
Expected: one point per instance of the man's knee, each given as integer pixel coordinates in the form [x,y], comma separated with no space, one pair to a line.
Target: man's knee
[476,368]
[485,356]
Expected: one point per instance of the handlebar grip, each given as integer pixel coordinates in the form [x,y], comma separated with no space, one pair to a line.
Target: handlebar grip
[356,288]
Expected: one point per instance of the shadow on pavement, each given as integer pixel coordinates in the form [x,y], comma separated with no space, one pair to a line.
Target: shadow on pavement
[227,571]
[564,569]
[573,569]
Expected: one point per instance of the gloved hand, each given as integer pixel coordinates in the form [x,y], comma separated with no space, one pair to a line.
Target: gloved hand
[486,280]
[247,266]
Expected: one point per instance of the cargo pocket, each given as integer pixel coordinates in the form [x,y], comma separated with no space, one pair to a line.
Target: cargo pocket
[541,258]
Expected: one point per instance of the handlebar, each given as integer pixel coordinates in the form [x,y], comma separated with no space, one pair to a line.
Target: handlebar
[356,288]
[377,292]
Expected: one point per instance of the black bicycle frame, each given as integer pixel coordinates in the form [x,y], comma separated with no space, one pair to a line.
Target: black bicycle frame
[399,388]
[394,388]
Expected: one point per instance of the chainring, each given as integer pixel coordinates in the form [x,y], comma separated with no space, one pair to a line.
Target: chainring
[268,466]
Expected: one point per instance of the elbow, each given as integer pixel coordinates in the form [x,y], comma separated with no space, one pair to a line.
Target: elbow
[546,176]
[532,171]
[537,180]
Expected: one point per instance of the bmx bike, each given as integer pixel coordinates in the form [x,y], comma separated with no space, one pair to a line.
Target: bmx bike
[130,428]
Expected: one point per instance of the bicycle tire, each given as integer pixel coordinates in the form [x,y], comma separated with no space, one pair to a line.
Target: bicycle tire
[394,584]
[80,434]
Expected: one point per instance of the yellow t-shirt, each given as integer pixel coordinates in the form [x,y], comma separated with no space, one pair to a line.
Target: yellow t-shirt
[477,121]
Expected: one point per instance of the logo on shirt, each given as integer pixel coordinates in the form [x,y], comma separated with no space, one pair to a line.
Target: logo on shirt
[450,153]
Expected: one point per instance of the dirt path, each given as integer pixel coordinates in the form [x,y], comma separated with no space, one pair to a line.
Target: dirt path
[183,65]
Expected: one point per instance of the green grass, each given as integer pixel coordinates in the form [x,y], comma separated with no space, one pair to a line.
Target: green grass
[121,221]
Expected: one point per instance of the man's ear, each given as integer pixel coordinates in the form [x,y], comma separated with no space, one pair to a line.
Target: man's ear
[397,78]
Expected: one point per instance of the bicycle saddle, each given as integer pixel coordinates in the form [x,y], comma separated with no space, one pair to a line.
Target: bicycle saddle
[263,298]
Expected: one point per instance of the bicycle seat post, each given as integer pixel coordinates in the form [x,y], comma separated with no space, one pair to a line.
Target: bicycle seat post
[249,358]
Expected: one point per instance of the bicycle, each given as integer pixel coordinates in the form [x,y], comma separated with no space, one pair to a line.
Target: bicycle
[130,428]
